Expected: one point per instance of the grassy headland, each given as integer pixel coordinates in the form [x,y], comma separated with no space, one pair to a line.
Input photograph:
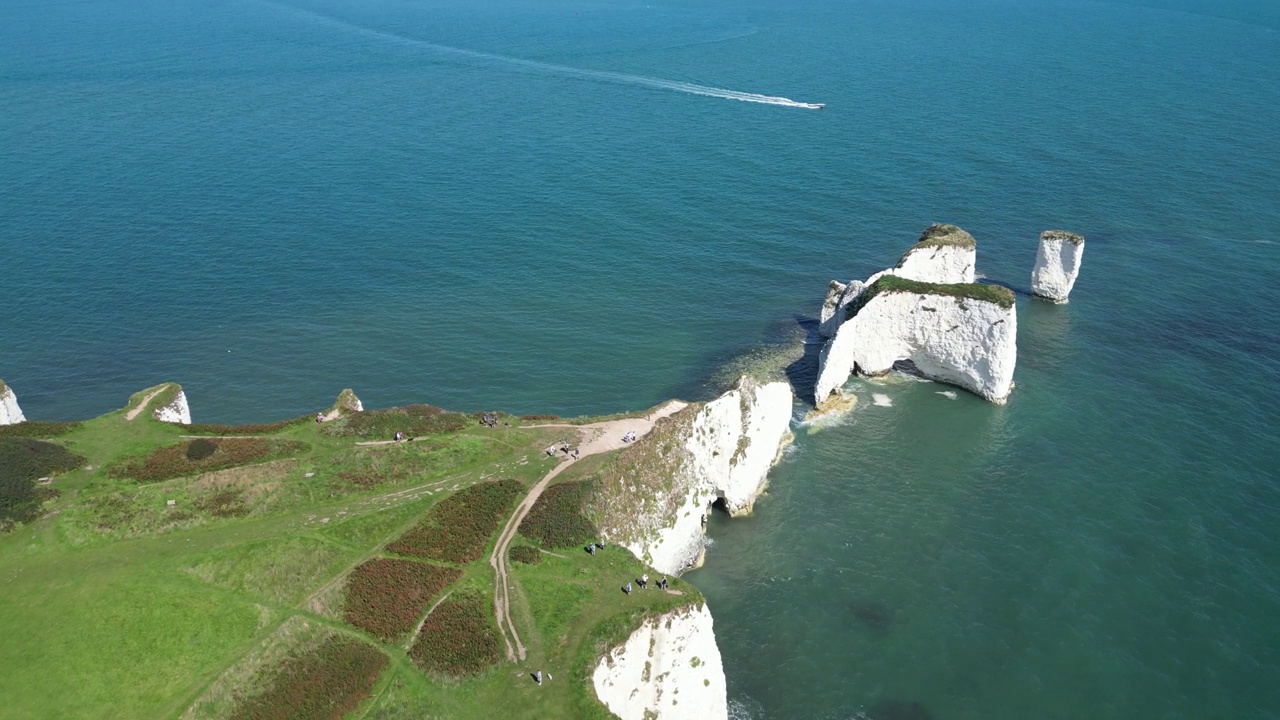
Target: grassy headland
[299,569]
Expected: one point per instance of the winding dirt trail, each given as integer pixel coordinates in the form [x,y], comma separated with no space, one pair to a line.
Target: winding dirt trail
[145,402]
[594,439]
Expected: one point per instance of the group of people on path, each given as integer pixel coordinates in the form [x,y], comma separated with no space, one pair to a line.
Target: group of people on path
[629,437]
[643,582]
[564,448]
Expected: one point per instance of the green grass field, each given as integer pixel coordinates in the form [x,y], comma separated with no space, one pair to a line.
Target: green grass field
[116,604]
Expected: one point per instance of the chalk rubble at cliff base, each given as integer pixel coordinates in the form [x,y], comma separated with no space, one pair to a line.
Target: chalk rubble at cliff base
[926,310]
[1058,260]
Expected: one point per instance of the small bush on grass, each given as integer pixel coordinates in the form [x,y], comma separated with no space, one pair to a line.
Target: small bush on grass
[321,684]
[257,429]
[539,417]
[458,528]
[386,596]
[22,461]
[526,554]
[412,420]
[195,456]
[458,637]
[39,430]
[557,519]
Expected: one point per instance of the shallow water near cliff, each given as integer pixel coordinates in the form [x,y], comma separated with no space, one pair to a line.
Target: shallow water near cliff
[268,202]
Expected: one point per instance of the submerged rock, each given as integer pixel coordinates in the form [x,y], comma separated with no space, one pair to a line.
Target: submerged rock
[963,334]
[1057,264]
[668,669]
[656,499]
[10,413]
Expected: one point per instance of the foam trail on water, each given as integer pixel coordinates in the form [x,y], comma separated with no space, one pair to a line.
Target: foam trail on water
[601,75]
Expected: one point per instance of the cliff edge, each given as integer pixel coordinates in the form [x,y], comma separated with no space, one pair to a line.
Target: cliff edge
[10,413]
[668,669]
[655,499]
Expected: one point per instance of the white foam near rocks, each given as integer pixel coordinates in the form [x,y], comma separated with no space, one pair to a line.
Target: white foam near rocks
[881,400]
[668,669]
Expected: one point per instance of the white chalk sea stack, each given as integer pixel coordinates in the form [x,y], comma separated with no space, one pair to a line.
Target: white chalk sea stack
[926,310]
[943,254]
[10,413]
[951,333]
[668,669]
[720,451]
[1057,265]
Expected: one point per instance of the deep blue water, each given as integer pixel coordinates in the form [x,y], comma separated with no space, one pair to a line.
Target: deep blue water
[268,202]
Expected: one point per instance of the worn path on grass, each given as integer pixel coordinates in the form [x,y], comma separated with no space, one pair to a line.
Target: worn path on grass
[144,403]
[595,438]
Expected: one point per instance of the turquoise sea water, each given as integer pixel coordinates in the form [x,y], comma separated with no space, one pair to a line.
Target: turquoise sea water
[268,202]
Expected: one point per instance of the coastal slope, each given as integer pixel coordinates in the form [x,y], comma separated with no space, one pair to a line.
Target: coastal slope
[655,500]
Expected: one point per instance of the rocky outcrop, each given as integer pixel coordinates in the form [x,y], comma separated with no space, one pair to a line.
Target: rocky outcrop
[943,254]
[1057,265]
[655,499]
[175,411]
[347,402]
[668,669]
[839,295]
[961,334]
[10,413]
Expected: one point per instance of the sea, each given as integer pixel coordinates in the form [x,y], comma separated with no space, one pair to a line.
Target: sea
[589,206]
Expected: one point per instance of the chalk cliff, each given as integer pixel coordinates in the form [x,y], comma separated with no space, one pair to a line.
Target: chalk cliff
[668,669]
[943,254]
[174,411]
[655,499]
[347,402]
[10,413]
[1057,264]
[964,334]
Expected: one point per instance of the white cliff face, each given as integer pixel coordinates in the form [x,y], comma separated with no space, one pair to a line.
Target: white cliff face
[835,304]
[669,669]
[10,413]
[940,264]
[177,411]
[1057,265]
[723,451]
[963,341]
[736,439]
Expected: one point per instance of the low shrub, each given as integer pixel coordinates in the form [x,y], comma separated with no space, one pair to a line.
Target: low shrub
[203,455]
[22,462]
[458,528]
[557,520]
[539,417]
[458,637]
[38,430]
[412,420]
[256,429]
[324,683]
[224,503]
[526,554]
[387,596]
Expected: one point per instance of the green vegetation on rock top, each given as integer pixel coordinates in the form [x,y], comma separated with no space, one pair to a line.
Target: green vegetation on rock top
[1062,235]
[1001,296]
[940,235]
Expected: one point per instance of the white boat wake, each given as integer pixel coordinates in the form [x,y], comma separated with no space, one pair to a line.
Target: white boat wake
[565,70]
